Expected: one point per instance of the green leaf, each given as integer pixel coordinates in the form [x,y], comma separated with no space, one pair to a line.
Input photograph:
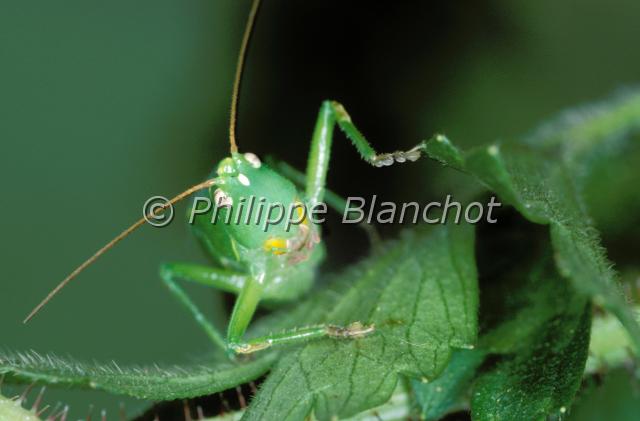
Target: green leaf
[522,297]
[421,294]
[448,392]
[397,408]
[440,148]
[520,303]
[156,382]
[543,375]
[541,179]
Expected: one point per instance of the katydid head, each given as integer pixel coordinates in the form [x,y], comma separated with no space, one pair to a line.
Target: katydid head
[256,213]
[242,181]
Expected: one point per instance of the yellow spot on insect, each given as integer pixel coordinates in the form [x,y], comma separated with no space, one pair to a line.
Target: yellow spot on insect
[277,246]
[493,150]
[301,211]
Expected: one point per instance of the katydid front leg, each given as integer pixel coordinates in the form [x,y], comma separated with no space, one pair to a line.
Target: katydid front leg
[332,112]
[299,335]
[212,277]
[249,290]
[245,308]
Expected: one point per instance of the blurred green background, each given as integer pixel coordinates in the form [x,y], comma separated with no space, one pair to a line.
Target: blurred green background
[103,104]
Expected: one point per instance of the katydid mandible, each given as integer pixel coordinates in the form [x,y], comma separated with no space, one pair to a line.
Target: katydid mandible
[278,264]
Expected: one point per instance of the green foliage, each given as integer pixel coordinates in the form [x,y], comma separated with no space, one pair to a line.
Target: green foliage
[153,382]
[543,371]
[541,380]
[448,391]
[542,177]
[421,294]
[534,347]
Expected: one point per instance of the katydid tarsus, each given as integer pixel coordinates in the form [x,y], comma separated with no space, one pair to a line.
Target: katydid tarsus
[277,264]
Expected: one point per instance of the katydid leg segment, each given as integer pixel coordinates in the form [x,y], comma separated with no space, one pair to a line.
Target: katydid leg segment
[167,277]
[332,112]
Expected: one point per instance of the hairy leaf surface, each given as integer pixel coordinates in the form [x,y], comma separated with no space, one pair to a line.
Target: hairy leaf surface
[542,375]
[448,391]
[541,177]
[153,382]
[421,294]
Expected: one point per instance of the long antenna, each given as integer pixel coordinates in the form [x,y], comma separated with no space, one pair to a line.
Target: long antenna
[233,146]
[116,240]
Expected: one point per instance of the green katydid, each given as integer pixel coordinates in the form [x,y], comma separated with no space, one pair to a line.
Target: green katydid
[278,264]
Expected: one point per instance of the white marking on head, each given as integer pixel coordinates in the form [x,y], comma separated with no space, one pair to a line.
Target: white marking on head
[244,180]
[493,150]
[253,159]
[222,199]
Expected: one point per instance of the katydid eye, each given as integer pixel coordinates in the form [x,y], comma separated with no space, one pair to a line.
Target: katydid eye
[244,180]
[253,159]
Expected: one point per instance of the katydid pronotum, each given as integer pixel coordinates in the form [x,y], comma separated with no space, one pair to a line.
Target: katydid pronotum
[277,264]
